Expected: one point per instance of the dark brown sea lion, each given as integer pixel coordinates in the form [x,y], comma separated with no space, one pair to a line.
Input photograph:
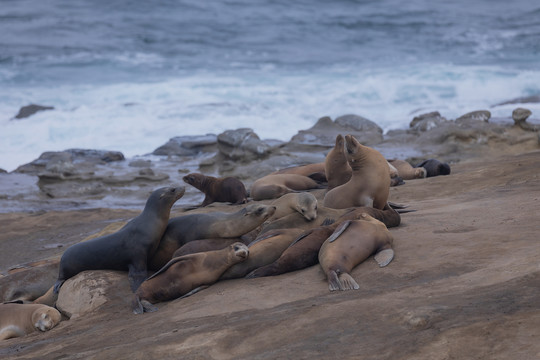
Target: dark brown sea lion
[186,228]
[22,319]
[370,181]
[274,186]
[227,189]
[183,274]
[337,168]
[127,249]
[406,171]
[350,244]
[434,167]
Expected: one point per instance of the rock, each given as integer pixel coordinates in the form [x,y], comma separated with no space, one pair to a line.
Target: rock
[187,145]
[358,123]
[520,116]
[522,100]
[480,115]
[426,121]
[140,163]
[29,110]
[2,171]
[242,145]
[90,290]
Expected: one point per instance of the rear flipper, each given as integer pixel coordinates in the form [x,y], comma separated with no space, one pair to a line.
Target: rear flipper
[347,282]
[333,281]
[384,257]
[141,306]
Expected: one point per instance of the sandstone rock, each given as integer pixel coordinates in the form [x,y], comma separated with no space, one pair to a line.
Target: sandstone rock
[480,115]
[520,116]
[29,110]
[426,121]
[242,145]
[187,145]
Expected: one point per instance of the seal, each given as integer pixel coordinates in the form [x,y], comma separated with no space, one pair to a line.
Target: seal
[313,171]
[304,250]
[370,181]
[337,168]
[183,274]
[263,250]
[277,185]
[350,244]
[127,249]
[434,167]
[22,319]
[184,229]
[203,245]
[227,189]
[303,202]
[406,171]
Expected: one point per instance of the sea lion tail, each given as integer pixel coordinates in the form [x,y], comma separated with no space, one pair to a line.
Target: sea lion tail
[347,282]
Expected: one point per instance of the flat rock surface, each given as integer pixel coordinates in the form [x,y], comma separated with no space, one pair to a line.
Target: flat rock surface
[464,285]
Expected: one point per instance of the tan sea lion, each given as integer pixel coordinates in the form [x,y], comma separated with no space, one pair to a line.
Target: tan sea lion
[274,186]
[126,250]
[313,171]
[406,171]
[350,244]
[370,181]
[337,168]
[22,319]
[183,274]
[227,189]
[186,228]
[203,245]
[304,203]
[264,250]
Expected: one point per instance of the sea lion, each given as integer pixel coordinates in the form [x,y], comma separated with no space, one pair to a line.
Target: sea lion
[313,171]
[337,168]
[227,189]
[22,319]
[304,203]
[350,244]
[434,167]
[370,181]
[406,171]
[264,250]
[277,185]
[186,228]
[304,250]
[183,274]
[127,249]
[203,245]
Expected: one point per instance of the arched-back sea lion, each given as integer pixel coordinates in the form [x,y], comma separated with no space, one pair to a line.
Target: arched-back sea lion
[304,203]
[406,171]
[22,319]
[434,167]
[186,228]
[304,251]
[227,189]
[370,181]
[127,249]
[337,168]
[274,186]
[350,244]
[264,250]
[313,171]
[183,274]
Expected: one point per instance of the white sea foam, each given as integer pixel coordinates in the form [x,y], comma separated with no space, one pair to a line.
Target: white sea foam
[136,118]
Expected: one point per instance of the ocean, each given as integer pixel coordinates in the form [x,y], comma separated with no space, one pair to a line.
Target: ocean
[128,75]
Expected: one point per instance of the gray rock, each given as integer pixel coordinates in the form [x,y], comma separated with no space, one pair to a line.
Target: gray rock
[242,145]
[358,123]
[187,145]
[29,110]
[2,171]
[480,115]
[426,122]
[520,116]
[140,163]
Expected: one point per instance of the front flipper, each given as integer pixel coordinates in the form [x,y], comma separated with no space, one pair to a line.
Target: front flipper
[340,229]
[384,257]
[196,290]
[136,276]
[168,265]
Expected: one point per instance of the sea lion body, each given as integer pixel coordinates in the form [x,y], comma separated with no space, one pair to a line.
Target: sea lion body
[406,171]
[183,274]
[204,245]
[370,181]
[127,249]
[183,229]
[350,244]
[276,185]
[434,167]
[264,250]
[227,189]
[304,203]
[337,168]
[313,171]
[22,319]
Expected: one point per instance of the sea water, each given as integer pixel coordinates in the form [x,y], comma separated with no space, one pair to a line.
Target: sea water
[128,75]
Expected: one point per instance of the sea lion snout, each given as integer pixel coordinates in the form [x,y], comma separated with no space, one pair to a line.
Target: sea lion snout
[241,250]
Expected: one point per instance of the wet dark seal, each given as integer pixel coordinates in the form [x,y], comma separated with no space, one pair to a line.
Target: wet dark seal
[434,167]
[227,189]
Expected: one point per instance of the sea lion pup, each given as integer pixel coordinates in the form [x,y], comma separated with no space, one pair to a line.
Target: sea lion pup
[350,244]
[227,189]
[203,245]
[186,228]
[304,250]
[264,250]
[434,167]
[304,203]
[370,181]
[127,249]
[337,168]
[22,319]
[183,274]
[313,171]
[406,171]
[277,185]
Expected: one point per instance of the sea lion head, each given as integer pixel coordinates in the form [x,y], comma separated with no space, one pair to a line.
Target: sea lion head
[420,173]
[45,318]
[194,179]
[353,147]
[241,251]
[307,205]
[260,210]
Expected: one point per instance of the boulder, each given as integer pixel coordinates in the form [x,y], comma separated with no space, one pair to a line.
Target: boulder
[187,145]
[242,145]
[426,121]
[474,116]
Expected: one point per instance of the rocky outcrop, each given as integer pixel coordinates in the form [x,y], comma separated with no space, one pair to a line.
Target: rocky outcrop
[29,110]
[188,145]
[426,122]
[242,145]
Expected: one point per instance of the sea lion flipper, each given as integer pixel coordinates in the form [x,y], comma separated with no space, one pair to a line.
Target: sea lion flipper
[384,257]
[394,205]
[166,266]
[340,229]
[301,236]
[196,290]
[268,235]
[333,281]
[347,282]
